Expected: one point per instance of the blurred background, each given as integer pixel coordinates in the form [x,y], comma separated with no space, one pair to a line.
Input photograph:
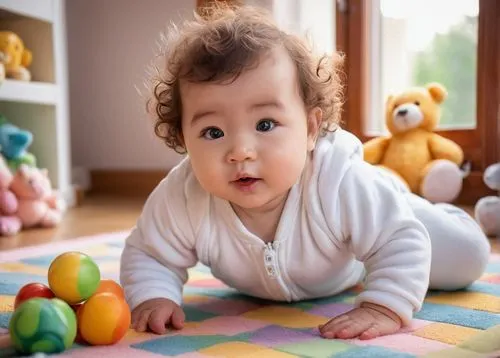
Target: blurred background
[84,106]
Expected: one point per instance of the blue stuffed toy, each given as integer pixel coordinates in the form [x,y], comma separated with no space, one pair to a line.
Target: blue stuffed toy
[14,143]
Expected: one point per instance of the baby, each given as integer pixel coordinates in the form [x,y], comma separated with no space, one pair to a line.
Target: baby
[274,196]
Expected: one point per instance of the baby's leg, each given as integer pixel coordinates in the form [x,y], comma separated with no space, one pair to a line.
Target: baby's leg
[460,250]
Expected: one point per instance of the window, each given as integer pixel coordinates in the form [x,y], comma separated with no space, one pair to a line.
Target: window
[314,19]
[412,47]
[391,45]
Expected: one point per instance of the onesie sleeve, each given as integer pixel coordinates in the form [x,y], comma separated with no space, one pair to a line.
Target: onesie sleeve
[379,227]
[160,249]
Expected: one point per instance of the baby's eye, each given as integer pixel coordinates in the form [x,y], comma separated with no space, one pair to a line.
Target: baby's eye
[212,133]
[265,125]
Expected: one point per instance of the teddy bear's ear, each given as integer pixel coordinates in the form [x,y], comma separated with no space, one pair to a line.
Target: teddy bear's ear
[23,170]
[437,91]
[389,100]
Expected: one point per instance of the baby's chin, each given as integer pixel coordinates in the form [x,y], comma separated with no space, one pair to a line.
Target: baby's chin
[248,204]
[257,203]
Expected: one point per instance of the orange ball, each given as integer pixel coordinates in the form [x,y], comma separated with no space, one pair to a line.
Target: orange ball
[103,319]
[111,287]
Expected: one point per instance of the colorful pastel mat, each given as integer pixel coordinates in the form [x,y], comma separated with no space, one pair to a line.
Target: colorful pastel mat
[223,323]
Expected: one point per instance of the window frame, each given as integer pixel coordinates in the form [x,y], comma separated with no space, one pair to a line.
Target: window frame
[480,145]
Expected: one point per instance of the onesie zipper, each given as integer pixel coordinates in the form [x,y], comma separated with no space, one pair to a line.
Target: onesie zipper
[272,266]
[271,261]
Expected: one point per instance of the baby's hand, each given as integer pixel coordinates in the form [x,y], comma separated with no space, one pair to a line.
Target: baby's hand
[366,322]
[157,314]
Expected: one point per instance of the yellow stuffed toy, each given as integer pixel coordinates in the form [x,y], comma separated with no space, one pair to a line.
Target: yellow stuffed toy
[426,162]
[14,56]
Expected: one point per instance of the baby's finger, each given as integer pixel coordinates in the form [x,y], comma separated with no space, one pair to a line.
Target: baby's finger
[178,318]
[353,329]
[142,322]
[159,319]
[370,332]
[377,330]
[332,330]
[136,313]
[333,322]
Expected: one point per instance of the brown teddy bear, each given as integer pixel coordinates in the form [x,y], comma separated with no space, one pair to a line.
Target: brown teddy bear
[426,162]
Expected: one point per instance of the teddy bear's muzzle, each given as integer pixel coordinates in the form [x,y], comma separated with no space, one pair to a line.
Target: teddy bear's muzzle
[407,116]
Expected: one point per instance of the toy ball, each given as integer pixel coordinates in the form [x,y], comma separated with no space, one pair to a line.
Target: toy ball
[76,306]
[43,325]
[31,290]
[78,338]
[103,319]
[111,287]
[70,315]
[73,277]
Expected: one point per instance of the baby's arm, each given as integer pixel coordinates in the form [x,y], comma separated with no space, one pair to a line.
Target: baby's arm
[155,260]
[380,229]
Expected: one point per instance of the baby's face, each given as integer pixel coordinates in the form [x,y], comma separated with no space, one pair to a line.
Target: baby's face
[248,140]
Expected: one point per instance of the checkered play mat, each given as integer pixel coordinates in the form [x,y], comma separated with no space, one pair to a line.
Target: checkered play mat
[222,323]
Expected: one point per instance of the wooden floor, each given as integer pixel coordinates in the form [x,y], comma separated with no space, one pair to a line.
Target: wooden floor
[97,215]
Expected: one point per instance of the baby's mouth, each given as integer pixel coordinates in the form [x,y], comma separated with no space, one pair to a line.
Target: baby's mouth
[246,181]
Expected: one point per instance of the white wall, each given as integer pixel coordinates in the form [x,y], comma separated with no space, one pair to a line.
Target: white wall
[110,44]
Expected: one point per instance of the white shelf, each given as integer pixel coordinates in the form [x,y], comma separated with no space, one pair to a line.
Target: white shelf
[41,105]
[29,92]
[39,9]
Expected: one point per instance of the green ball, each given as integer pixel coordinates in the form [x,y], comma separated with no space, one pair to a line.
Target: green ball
[43,325]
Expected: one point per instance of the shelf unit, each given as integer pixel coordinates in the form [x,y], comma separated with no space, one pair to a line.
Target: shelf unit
[41,105]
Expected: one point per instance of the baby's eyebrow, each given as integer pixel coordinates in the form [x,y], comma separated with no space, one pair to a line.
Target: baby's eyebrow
[197,116]
[203,113]
[271,103]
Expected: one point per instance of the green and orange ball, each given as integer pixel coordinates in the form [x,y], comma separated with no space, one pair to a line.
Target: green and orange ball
[43,325]
[73,277]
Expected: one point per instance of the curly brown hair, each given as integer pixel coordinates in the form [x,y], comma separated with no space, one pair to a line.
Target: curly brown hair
[218,45]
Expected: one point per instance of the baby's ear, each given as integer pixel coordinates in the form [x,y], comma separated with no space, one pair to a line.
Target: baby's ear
[314,120]
[180,139]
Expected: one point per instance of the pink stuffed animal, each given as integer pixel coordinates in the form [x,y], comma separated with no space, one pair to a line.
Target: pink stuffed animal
[38,203]
[10,224]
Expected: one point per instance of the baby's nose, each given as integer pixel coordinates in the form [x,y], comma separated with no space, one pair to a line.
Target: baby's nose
[241,152]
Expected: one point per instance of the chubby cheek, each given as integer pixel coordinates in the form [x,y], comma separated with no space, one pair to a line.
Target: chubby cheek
[203,160]
[208,171]
[286,161]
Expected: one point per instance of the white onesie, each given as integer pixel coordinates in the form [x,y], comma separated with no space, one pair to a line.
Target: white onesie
[344,221]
